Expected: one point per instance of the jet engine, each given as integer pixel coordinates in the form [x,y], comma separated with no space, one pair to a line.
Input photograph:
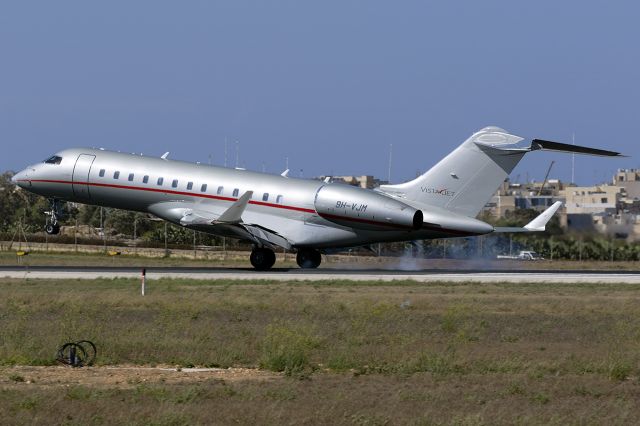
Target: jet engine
[364,209]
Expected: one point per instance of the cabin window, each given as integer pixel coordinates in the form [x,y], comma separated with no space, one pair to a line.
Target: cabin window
[145,179]
[53,160]
[265,196]
[279,199]
[130,177]
[203,188]
[220,189]
[174,184]
[160,180]
[101,174]
[189,186]
[116,175]
[235,192]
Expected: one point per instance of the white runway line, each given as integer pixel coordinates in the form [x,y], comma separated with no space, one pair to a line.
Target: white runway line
[483,277]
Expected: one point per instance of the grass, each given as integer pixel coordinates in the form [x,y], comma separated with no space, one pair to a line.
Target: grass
[329,399]
[52,258]
[337,325]
[368,352]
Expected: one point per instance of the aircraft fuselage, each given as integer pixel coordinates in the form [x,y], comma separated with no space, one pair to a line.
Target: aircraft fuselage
[289,206]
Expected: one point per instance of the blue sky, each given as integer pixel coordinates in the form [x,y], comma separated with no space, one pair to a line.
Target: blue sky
[327,84]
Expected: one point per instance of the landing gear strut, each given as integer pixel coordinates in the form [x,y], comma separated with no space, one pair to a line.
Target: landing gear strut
[308,258]
[52,227]
[262,258]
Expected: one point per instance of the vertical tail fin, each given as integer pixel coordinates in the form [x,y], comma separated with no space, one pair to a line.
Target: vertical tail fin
[466,179]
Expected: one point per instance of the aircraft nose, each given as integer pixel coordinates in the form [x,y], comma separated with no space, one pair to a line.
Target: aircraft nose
[20,178]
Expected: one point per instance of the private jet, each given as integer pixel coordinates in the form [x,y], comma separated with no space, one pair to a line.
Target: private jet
[302,215]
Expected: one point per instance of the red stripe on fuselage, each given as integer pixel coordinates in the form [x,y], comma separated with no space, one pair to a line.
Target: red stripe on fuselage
[168,191]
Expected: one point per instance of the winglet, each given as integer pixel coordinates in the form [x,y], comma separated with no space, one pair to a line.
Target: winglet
[540,222]
[165,155]
[285,173]
[234,213]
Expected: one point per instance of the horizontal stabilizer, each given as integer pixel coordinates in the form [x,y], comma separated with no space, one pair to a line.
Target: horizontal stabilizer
[536,225]
[540,222]
[537,144]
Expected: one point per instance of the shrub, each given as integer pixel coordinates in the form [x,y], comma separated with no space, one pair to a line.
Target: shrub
[287,349]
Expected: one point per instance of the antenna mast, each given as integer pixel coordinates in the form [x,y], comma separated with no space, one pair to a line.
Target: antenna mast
[390,158]
[573,159]
[225,151]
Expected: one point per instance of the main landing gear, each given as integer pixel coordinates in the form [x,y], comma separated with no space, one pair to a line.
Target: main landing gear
[308,258]
[262,258]
[52,227]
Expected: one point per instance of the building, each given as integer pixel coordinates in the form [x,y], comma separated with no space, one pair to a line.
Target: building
[530,195]
[629,179]
[612,209]
[592,208]
[599,199]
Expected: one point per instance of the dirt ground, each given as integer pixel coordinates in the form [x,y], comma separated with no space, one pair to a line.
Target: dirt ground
[123,376]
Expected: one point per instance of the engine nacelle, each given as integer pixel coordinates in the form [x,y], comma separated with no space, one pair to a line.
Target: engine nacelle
[364,209]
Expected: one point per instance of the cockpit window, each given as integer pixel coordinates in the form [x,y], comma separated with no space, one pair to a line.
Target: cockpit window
[53,160]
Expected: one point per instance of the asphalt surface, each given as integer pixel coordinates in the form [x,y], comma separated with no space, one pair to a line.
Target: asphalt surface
[286,274]
[319,271]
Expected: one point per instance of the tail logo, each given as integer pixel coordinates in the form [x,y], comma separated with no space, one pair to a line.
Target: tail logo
[444,191]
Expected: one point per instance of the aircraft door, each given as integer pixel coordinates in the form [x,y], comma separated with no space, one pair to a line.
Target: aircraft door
[81,176]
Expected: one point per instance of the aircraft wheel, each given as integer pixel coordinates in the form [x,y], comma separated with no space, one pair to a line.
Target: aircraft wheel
[308,258]
[52,229]
[262,259]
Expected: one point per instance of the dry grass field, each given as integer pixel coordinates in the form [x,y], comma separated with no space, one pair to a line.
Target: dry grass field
[334,352]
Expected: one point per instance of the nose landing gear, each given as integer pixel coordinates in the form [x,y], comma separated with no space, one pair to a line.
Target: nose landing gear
[52,227]
[262,258]
[308,258]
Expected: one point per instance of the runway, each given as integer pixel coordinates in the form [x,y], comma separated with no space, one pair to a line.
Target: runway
[282,274]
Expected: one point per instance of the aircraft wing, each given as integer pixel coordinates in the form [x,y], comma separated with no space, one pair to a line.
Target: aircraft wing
[538,224]
[190,215]
[230,223]
[234,213]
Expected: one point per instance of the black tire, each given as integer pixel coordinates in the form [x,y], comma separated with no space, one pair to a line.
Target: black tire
[308,258]
[52,229]
[90,350]
[64,355]
[262,259]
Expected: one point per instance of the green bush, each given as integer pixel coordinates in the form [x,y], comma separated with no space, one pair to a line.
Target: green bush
[287,349]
